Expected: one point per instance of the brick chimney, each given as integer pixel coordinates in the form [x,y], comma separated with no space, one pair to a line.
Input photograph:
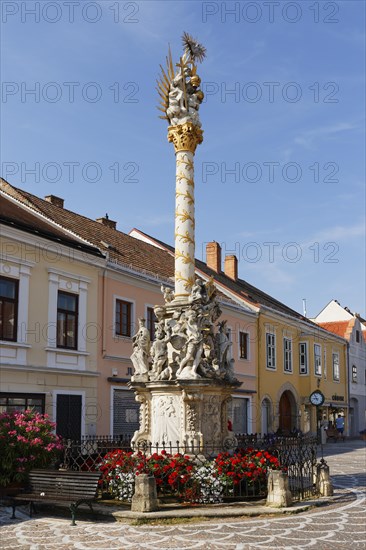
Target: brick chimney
[107,222]
[231,267]
[56,201]
[213,256]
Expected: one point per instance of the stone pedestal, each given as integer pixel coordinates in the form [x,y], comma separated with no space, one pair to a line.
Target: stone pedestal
[279,494]
[185,415]
[323,480]
[144,498]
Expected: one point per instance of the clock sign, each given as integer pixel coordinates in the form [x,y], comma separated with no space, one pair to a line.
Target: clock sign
[317,398]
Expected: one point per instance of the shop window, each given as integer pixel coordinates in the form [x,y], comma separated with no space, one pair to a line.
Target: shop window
[19,402]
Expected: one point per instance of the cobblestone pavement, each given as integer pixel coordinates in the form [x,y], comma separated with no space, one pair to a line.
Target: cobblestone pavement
[339,525]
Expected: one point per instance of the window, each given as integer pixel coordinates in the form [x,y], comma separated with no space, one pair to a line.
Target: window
[12,402]
[335,357]
[357,336]
[271,350]
[303,357]
[354,373]
[67,320]
[244,345]
[238,413]
[287,355]
[123,318]
[317,359]
[8,309]
[150,322]
[125,413]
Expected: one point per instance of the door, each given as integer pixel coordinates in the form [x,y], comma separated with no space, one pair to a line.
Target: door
[68,416]
[285,411]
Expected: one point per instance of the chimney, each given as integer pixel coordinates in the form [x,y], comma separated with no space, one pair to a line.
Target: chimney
[107,222]
[56,201]
[213,256]
[231,267]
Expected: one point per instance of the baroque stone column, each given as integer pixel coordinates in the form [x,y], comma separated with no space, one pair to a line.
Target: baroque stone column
[184,379]
[185,138]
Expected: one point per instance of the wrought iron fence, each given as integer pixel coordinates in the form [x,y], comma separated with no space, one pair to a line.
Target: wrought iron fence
[296,454]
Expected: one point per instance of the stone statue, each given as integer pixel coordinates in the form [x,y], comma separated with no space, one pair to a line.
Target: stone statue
[198,292]
[141,351]
[193,349]
[159,353]
[179,90]
[168,293]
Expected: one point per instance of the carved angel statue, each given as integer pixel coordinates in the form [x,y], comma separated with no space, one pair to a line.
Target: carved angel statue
[168,293]
[178,87]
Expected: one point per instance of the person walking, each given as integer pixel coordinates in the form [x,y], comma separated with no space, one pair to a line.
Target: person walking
[340,426]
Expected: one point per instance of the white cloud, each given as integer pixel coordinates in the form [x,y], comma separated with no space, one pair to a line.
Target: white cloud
[307,138]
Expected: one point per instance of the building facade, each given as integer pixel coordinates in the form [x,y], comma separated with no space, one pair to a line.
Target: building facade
[341,321]
[100,281]
[48,298]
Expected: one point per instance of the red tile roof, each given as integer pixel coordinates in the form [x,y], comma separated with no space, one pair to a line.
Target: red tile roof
[121,247]
[341,328]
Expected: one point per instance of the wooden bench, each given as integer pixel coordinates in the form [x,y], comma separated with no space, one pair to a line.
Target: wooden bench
[58,486]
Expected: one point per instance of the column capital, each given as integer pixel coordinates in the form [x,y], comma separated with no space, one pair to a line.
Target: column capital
[185,137]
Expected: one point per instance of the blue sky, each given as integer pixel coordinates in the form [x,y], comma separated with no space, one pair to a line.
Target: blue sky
[280,176]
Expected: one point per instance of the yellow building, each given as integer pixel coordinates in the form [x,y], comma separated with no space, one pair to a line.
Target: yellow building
[296,358]
[49,329]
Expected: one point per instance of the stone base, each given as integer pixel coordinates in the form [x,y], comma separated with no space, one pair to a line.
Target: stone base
[145,498]
[185,414]
[279,494]
[324,482]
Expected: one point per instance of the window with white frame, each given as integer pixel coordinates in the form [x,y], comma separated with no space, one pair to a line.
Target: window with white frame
[123,318]
[317,359]
[335,361]
[325,362]
[67,311]
[287,354]
[67,320]
[8,309]
[354,373]
[243,345]
[303,357]
[270,350]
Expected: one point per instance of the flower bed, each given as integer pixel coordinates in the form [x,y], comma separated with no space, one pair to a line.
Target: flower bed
[27,441]
[189,478]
